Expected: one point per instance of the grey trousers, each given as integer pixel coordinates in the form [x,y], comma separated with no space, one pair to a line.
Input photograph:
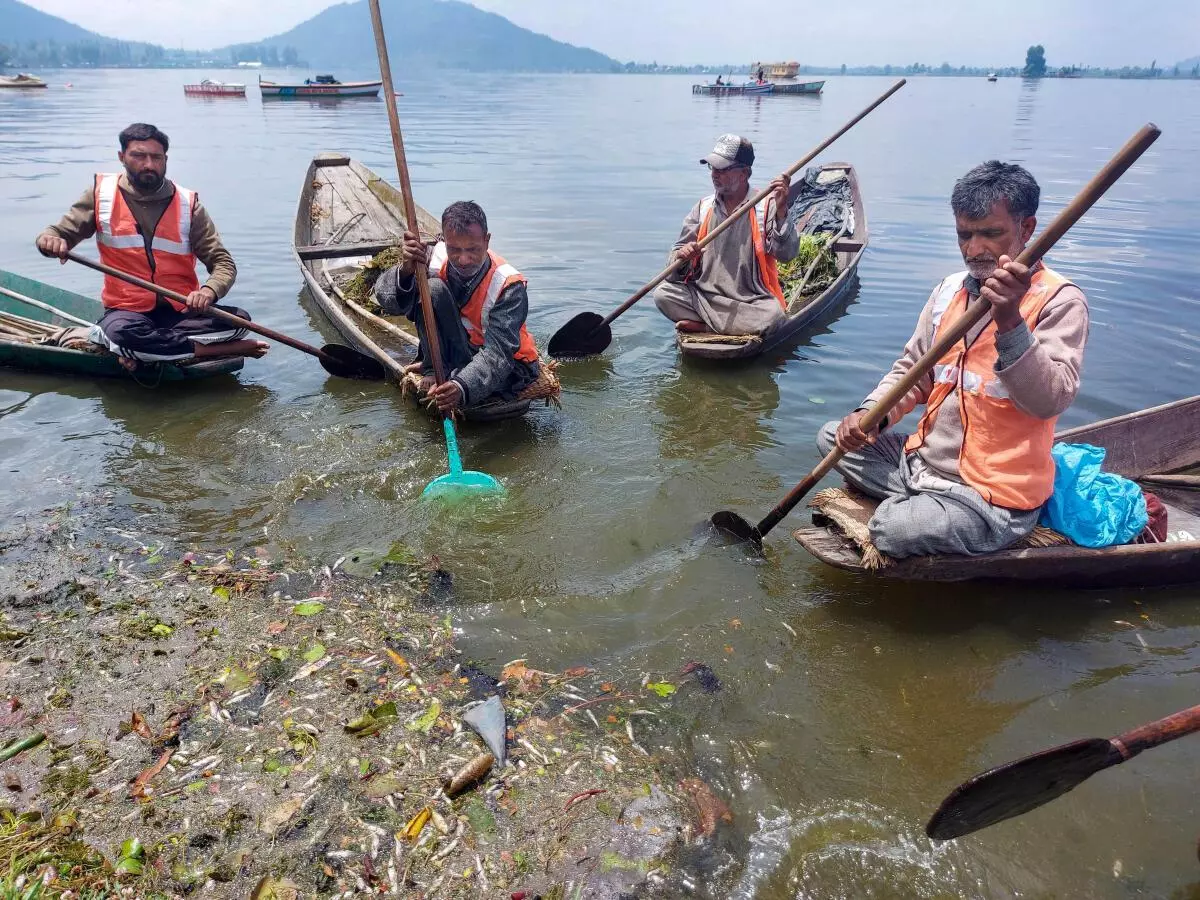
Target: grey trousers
[913,521]
[457,349]
[722,315]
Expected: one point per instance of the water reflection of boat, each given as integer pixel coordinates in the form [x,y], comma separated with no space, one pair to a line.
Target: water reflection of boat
[1163,439]
[321,86]
[21,325]
[848,246]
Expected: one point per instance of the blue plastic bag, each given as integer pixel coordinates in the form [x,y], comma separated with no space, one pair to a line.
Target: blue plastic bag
[1092,508]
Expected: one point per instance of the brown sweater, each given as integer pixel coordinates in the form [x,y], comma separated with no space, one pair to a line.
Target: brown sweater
[79,224]
[1039,369]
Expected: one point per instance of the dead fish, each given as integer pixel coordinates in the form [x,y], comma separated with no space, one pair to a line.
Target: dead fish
[469,775]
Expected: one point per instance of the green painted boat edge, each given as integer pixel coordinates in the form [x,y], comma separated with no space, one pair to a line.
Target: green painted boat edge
[62,361]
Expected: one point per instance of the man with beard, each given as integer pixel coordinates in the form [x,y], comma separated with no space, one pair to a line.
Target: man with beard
[974,474]
[732,285]
[480,304]
[148,226]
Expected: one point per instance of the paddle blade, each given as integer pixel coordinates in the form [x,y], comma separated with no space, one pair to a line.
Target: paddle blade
[735,529]
[346,362]
[584,335]
[461,486]
[1017,787]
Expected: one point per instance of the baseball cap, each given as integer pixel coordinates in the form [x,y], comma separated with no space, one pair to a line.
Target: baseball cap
[731,150]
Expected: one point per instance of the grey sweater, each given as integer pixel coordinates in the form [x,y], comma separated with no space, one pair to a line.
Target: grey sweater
[493,366]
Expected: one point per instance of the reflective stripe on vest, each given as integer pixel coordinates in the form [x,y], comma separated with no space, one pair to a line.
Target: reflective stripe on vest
[478,309]
[122,247]
[1005,451]
[768,269]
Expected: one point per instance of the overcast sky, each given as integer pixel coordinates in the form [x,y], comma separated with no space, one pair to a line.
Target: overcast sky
[965,32]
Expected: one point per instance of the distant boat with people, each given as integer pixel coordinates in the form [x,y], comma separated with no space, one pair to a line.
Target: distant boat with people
[21,80]
[321,86]
[757,88]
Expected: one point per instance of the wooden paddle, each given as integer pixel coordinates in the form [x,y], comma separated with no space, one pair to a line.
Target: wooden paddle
[588,334]
[1017,787]
[336,359]
[733,525]
[458,482]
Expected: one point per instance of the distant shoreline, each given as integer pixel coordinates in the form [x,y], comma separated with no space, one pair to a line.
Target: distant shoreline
[713,71]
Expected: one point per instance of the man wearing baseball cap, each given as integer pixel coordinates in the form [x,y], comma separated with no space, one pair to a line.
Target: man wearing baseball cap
[731,286]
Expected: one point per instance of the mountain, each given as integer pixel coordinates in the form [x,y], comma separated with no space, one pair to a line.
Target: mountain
[23,23]
[29,36]
[431,33]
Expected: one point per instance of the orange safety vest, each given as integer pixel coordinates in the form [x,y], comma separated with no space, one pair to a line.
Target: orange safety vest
[122,247]
[767,267]
[477,310]
[1005,451]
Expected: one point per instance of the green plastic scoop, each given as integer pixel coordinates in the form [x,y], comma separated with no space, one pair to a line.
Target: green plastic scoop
[459,484]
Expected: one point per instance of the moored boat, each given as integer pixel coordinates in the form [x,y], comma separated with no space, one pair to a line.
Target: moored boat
[23,327]
[804,308]
[21,80]
[210,88]
[734,90]
[1148,446]
[321,86]
[800,87]
[346,215]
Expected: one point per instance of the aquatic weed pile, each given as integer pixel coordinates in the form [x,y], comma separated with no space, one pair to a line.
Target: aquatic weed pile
[237,726]
[813,248]
[360,287]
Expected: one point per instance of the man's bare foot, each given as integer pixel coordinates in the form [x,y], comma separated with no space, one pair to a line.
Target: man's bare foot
[129,365]
[252,349]
[690,326]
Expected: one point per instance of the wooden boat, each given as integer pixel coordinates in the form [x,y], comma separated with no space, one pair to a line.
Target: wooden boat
[1141,445]
[346,215]
[803,311]
[21,80]
[321,86]
[991,76]
[734,90]
[801,87]
[210,88]
[18,347]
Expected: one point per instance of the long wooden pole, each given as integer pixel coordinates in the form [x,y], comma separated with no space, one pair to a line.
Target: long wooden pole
[421,273]
[21,298]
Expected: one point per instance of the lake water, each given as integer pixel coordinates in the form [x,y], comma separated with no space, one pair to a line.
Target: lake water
[850,707]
